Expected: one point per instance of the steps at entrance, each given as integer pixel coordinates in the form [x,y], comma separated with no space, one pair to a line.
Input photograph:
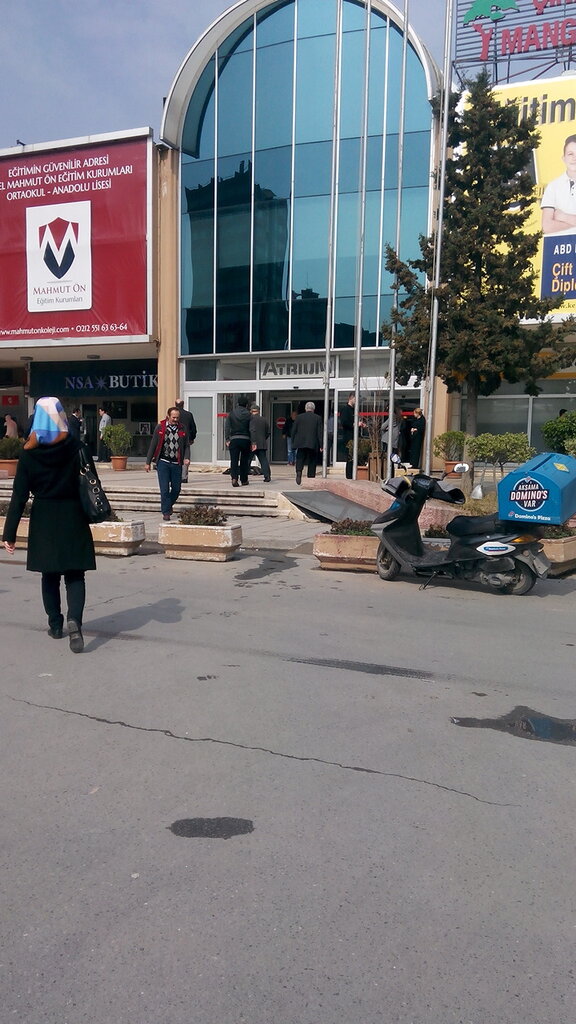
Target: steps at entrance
[242,501]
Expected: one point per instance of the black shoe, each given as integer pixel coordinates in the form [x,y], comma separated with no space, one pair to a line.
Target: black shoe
[267,479]
[75,638]
[244,483]
[55,632]
[235,483]
[166,517]
[298,478]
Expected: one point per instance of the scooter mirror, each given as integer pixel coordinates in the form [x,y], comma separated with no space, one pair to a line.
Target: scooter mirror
[395,459]
[461,467]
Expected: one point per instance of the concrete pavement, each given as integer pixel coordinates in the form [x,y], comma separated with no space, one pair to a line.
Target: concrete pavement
[293,532]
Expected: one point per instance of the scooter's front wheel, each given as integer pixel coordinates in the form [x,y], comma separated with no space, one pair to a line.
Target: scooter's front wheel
[386,565]
[521,580]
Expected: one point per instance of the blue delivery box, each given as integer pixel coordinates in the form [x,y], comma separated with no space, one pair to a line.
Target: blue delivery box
[542,490]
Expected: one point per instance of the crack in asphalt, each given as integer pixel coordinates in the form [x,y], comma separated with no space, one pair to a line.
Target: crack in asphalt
[262,750]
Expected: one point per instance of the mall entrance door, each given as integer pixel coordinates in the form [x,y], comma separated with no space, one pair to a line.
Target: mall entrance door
[280,407]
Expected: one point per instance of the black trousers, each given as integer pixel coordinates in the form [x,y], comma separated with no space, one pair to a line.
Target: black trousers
[307,457]
[75,584]
[240,458]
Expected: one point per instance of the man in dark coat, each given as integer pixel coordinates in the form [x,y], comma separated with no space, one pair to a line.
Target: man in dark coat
[347,424]
[259,434]
[170,450]
[75,424]
[237,436]
[307,438]
[188,422]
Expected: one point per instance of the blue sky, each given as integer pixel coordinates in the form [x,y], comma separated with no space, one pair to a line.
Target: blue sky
[71,68]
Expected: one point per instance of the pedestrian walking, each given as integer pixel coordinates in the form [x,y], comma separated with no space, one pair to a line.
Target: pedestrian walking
[287,432]
[59,541]
[259,434]
[188,422]
[237,436]
[307,439]
[170,450]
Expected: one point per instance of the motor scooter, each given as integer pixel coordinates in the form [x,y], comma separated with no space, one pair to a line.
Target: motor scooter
[499,554]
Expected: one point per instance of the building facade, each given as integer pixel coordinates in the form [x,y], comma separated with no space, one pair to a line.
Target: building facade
[280,191]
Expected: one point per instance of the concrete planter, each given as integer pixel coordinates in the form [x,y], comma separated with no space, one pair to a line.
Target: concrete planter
[21,533]
[122,538]
[339,551]
[200,543]
[8,468]
[562,553]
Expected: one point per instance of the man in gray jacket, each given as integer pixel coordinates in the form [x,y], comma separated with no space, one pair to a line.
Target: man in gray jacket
[259,434]
[307,438]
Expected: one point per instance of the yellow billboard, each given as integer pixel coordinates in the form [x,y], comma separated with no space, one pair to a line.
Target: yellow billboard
[554,172]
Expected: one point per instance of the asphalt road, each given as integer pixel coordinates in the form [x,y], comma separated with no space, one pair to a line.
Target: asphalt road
[247,800]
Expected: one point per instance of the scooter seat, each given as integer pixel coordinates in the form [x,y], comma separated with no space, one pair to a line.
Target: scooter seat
[468,526]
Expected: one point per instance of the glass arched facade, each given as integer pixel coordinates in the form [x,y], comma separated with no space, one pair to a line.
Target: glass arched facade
[289,134]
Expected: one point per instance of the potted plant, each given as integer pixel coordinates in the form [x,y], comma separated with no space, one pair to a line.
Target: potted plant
[23,525]
[202,534]
[10,448]
[350,545]
[364,449]
[118,537]
[119,440]
[559,544]
[450,447]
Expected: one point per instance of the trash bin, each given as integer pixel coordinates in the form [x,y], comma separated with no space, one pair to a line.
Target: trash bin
[542,490]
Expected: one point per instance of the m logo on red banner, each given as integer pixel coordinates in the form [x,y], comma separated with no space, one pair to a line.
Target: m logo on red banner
[58,241]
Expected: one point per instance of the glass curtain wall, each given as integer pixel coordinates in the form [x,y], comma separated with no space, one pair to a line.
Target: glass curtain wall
[269,148]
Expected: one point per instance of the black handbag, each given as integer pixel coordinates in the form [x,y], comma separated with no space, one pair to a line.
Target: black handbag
[95,504]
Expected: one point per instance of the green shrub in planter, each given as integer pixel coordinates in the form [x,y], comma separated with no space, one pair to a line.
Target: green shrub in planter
[557,432]
[352,528]
[450,445]
[117,438]
[202,515]
[10,447]
[570,446]
[364,449]
[435,530]
[558,532]
[5,505]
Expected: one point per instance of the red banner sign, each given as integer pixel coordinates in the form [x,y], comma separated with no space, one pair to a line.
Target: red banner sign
[73,250]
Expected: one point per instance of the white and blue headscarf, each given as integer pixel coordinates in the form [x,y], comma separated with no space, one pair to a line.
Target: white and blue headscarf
[49,420]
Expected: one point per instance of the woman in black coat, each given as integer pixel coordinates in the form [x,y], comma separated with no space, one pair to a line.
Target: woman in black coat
[59,542]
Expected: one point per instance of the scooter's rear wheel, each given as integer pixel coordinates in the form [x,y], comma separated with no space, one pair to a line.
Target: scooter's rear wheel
[521,580]
[386,565]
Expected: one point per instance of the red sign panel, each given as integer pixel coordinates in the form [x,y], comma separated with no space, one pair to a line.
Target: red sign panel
[73,251]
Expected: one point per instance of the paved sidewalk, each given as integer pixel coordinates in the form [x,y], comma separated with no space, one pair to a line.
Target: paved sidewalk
[278,533]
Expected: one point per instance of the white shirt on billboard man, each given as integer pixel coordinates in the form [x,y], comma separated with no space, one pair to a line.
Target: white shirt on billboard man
[559,198]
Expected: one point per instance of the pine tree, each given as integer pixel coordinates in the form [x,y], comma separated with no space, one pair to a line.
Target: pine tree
[487,281]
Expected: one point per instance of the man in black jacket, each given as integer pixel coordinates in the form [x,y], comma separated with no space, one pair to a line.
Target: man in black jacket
[307,438]
[237,435]
[188,422]
[259,434]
